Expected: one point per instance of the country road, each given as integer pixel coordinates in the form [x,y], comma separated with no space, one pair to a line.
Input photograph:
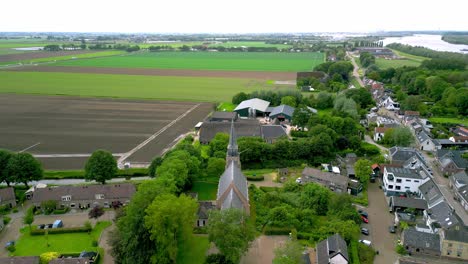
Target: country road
[356,69]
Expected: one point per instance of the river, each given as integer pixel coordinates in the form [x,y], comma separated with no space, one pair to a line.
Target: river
[433,42]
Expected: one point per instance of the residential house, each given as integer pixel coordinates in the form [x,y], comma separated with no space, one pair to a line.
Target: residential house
[421,243]
[252,108]
[379,133]
[399,181]
[85,196]
[223,116]
[334,182]
[354,187]
[460,131]
[332,250]
[441,215]
[459,139]
[232,187]
[425,142]
[431,193]
[455,244]
[386,122]
[451,161]
[390,104]
[7,197]
[411,114]
[20,260]
[399,155]
[451,144]
[271,133]
[282,113]
[459,184]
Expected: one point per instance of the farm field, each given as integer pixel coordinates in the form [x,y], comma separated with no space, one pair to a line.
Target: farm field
[48,125]
[449,120]
[129,86]
[41,56]
[223,61]
[384,64]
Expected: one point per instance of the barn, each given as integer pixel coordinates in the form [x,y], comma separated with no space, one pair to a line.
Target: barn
[252,108]
[282,113]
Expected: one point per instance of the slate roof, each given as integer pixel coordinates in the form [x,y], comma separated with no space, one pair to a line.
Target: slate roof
[20,260]
[381,129]
[244,128]
[430,192]
[203,208]
[463,191]
[232,195]
[404,173]
[282,109]
[272,131]
[310,173]
[85,192]
[457,235]
[401,154]
[460,178]
[7,194]
[461,131]
[330,247]
[422,136]
[255,103]
[223,115]
[443,214]
[445,156]
[409,202]
[422,240]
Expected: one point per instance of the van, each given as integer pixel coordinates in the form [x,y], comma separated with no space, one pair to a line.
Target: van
[365,242]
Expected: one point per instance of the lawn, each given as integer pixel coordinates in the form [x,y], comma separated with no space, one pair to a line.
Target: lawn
[70,57]
[226,106]
[28,245]
[193,251]
[384,64]
[449,120]
[127,86]
[227,61]
[206,190]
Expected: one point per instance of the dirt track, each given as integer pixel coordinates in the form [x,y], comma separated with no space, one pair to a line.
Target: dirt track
[40,54]
[162,72]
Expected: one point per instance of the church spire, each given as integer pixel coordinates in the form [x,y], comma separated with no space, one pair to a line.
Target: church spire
[232,149]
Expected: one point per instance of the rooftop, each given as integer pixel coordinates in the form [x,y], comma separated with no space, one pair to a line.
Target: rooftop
[309,173]
[409,202]
[403,173]
[273,131]
[84,192]
[282,109]
[457,235]
[422,240]
[255,103]
[443,214]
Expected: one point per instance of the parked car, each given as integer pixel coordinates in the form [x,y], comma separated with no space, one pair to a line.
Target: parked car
[365,242]
[40,226]
[10,243]
[365,220]
[57,224]
[363,213]
[47,226]
[365,231]
[391,229]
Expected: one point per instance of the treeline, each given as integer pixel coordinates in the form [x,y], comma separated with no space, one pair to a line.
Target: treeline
[126,47]
[370,44]
[366,59]
[217,48]
[19,168]
[425,52]
[337,80]
[461,38]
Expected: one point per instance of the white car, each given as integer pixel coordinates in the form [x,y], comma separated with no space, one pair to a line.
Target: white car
[299,180]
[365,242]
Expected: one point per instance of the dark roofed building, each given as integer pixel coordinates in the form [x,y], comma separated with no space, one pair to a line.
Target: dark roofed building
[270,133]
[451,161]
[334,182]
[332,250]
[20,260]
[441,215]
[459,184]
[223,116]
[455,243]
[7,197]
[282,113]
[421,243]
[203,212]
[85,196]
[244,128]
[401,154]
[431,193]
[401,203]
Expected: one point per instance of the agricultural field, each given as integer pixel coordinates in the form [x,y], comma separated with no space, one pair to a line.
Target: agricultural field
[74,127]
[384,63]
[218,61]
[46,56]
[449,120]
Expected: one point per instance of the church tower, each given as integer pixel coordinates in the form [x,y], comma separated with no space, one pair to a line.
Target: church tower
[232,149]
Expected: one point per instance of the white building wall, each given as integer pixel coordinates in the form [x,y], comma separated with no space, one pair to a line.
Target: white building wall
[401,185]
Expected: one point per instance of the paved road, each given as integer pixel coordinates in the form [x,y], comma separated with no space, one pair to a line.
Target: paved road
[355,70]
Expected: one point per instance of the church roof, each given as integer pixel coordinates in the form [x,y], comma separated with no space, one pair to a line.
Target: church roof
[232,195]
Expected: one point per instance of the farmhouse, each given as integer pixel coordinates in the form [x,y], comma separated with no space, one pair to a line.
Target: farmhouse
[85,196]
[7,197]
[252,107]
[223,116]
[332,250]
[233,188]
[282,113]
[334,182]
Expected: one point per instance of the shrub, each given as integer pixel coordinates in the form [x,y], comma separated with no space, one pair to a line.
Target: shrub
[255,178]
[200,230]
[15,210]
[6,220]
[11,248]
[48,206]
[272,231]
[94,243]
[354,252]
[96,212]
[366,254]
[63,230]
[5,209]
[48,256]
[217,259]
[61,211]
[400,249]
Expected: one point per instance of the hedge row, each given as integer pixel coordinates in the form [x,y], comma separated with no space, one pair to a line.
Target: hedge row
[79,174]
[255,178]
[61,230]
[272,231]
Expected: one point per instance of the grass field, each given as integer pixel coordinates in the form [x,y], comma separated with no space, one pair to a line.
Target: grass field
[384,64]
[194,250]
[128,86]
[206,190]
[70,57]
[449,120]
[228,61]
[226,106]
[28,245]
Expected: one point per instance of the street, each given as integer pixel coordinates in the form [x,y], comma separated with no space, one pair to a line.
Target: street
[355,70]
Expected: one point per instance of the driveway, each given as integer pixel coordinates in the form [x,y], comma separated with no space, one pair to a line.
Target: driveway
[379,221]
[10,232]
[262,250]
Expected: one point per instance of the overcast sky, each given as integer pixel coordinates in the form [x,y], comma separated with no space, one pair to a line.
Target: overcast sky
[233,16]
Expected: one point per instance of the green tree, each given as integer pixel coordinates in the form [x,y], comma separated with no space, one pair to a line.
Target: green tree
[23,167]
[5,156]
[101,166]
[239,97]
[155,163]
[48,206]
[324,100]
[215,166]
[363,170]
[176,170]
[301,116]
[28,217]
[289,253]
[289,100]
[231,232]
[219,143]
[170,220]
[315,197]
[400,136]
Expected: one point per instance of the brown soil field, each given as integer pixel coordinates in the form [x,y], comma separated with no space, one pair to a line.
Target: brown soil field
[40,54]
[73,125]
[162,72]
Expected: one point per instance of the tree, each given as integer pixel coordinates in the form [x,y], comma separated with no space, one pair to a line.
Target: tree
[215,166]
[301,116]
[288,100]
[324,100]
[48,256]
[155,163]
[400,136]
[169,221]
[238,98]
[315,197]
[28,217]
[96,212]
[176,170]
[217,259]
[231,232]
[101,166]
[5,156]
[289,253]
[363,170]
[23,167]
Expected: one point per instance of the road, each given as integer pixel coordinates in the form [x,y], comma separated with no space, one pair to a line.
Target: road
[356,69]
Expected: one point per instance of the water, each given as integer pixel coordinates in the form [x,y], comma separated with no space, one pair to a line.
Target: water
[433,42]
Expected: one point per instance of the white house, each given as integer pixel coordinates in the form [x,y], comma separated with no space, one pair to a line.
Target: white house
[379,133]
[391,105]
[401,180]
[425,142]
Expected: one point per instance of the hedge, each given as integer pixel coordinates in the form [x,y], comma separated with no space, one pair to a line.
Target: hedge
[273,231]
[255,178]
[61,230]
[353,252]
[79,174]
[200,230]
[61,211]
